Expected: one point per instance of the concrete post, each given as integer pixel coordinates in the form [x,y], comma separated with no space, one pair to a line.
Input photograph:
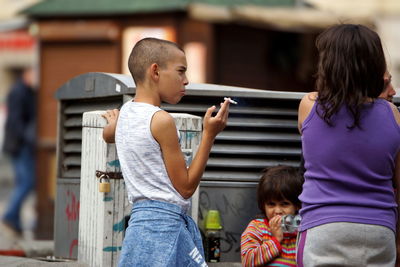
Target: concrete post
[102,216]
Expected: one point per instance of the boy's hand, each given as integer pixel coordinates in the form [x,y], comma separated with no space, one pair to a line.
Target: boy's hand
[276,230]
[111,116]
[109,130]
[214,125]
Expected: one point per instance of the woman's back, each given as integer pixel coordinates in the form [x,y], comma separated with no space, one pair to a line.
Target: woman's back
[350,143]
[349,172]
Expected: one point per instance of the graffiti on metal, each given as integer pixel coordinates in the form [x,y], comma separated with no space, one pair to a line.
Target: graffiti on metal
[72,209]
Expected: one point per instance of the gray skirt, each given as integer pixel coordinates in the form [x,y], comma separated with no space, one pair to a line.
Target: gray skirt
[346,244]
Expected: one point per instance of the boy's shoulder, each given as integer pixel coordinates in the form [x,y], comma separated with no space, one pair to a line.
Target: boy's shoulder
[163,127]
[163,119]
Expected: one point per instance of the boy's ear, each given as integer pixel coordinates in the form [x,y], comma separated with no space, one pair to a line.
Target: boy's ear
[154,71]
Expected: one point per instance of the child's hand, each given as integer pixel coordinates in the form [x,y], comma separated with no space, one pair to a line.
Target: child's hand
[275,225]
[111,116]
[214,125]
[109,130]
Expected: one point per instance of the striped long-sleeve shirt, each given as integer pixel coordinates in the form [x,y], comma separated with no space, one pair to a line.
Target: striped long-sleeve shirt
[259,248]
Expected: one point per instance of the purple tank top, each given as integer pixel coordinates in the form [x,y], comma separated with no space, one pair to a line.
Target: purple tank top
[349,173]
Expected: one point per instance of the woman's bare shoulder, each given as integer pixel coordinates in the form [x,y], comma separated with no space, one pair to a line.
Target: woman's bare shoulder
[310,97]
[396,112]
[306,104]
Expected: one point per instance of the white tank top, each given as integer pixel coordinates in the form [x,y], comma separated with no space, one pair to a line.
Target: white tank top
[142,164]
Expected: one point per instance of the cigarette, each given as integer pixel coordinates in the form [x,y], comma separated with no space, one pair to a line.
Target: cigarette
[230,100]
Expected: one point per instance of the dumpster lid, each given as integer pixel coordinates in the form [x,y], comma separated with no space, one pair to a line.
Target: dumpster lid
[96,84]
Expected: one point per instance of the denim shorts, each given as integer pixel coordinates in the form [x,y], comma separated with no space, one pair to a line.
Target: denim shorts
[161,234]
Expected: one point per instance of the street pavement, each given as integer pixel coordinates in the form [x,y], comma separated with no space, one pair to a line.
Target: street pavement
[28,262]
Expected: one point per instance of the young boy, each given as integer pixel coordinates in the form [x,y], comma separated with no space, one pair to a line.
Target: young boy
[264,243]
[158,183]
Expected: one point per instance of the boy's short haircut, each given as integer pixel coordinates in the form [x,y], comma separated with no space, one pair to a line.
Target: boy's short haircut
[279,183]
[146,52]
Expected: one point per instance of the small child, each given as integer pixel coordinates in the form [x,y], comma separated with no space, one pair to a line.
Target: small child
[263,243]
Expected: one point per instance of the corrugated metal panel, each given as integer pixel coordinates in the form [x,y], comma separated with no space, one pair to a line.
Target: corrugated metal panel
[261,131]
[71,131]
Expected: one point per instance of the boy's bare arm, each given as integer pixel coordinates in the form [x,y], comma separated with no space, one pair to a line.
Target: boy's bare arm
[109,130]
[163,129]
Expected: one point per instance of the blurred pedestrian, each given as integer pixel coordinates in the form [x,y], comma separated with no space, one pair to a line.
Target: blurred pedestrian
[19,144]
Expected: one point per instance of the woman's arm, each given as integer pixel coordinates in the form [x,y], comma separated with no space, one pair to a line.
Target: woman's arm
[396,179]
[397,188]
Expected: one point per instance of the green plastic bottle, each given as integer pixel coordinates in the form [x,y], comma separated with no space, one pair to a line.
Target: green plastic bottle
[213,236]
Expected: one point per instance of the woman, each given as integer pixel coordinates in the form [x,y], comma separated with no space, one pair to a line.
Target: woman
[350,140]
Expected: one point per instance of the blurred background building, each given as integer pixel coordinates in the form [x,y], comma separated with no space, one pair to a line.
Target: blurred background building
[18,50]
[264,44]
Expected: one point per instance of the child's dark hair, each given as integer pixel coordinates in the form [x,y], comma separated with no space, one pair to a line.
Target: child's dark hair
[351,67]
[279,183]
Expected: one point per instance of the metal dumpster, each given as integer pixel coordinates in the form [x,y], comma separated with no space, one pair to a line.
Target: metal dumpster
[261,132]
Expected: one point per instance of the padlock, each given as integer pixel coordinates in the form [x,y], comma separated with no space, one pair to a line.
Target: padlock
[104,186]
